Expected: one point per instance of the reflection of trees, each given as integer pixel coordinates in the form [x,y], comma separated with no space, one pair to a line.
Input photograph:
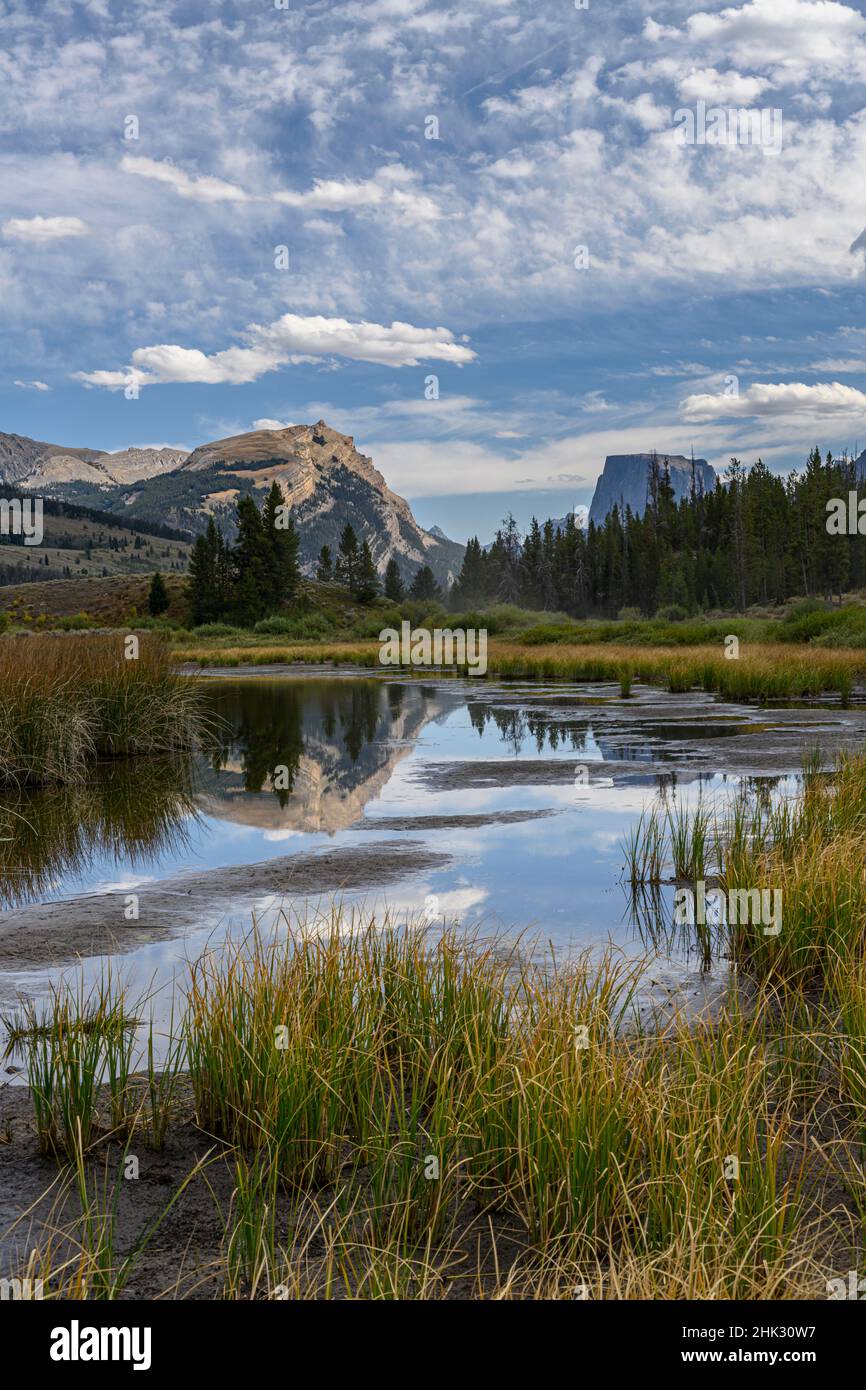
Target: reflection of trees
[263,726]
[263,730]
[517,726]
[360,718]
[135,807]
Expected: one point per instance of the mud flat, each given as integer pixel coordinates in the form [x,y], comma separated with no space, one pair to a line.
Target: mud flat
[59,933]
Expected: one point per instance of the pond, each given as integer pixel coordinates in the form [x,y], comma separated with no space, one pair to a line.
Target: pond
[502,806]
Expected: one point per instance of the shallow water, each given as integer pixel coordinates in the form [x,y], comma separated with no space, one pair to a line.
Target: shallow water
[514,798]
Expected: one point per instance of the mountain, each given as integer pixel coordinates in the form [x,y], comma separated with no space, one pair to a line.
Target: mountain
[22,458]
[625,479]
[35,465]
[321,475]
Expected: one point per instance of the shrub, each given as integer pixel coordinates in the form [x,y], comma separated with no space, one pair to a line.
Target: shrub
[306,627]
[78,622]
[217,630]
[628,615]
[803,608]
[671,613]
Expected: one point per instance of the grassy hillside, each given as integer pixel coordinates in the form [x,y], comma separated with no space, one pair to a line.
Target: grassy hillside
[81,544]
[107,601]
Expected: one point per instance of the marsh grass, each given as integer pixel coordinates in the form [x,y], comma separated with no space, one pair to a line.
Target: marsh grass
[410,1112]
[764,670]
[76,1042]
[453,1079]
[80,1047]
[65,701]
[413,1111]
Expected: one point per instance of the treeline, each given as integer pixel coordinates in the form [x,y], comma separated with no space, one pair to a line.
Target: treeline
[354,567]
[242,583]
[245,582]
[756,538]
[53,506]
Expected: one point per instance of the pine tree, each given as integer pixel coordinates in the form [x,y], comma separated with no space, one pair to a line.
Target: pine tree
[157,597]
[470,587]
[251,566]
[281,550]
[206,589]
[424,585]
[366,577]
[325,567]
[347,558]
[394,587]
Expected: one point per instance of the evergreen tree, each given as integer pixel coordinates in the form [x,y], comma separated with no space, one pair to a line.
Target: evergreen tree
[424,585]
[471,586]
[366,576]
[281,550]
[394,588]
[157,597]
[325,567]
[207,589]
[251,566]
[347,558]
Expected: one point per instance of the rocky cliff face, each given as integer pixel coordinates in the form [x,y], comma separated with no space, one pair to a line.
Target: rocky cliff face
[319,471]
[327,482]
[624,481]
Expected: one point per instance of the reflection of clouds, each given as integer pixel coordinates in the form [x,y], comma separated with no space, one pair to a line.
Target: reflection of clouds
[606,840]
[122,885]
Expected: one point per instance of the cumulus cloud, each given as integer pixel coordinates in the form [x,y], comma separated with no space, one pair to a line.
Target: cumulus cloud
[795,37]
[33,385]
[721,87]
[827,399]
[267,424]
[199,189]
[40,229]
[290,339]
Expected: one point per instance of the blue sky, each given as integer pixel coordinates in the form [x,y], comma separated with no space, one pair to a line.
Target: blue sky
[156,155]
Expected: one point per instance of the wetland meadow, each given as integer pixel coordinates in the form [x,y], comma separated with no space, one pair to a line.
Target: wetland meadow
[325,980]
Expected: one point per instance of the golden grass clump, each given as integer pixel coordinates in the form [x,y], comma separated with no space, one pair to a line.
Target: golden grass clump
[65,701]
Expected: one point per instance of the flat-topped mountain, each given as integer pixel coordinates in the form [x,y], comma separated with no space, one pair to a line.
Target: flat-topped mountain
[625,481]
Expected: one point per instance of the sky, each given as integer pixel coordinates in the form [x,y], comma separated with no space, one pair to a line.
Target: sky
[493,241]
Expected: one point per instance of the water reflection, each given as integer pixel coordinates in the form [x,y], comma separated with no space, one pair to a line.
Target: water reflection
[142,809]
[308,755]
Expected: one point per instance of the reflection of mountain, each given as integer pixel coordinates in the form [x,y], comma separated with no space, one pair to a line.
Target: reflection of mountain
[308,755]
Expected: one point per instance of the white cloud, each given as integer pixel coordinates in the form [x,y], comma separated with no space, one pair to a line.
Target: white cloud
[44,228]
[267,424]
[201,189]
[290,339]
[721,87]
[513,166]
[33,385]
[795,37]
[795,398]
[335,195]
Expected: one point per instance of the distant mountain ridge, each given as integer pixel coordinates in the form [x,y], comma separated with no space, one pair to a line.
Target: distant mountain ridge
[321,474]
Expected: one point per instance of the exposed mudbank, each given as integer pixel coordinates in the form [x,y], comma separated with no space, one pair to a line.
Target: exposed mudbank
[470,822]
[49,934]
